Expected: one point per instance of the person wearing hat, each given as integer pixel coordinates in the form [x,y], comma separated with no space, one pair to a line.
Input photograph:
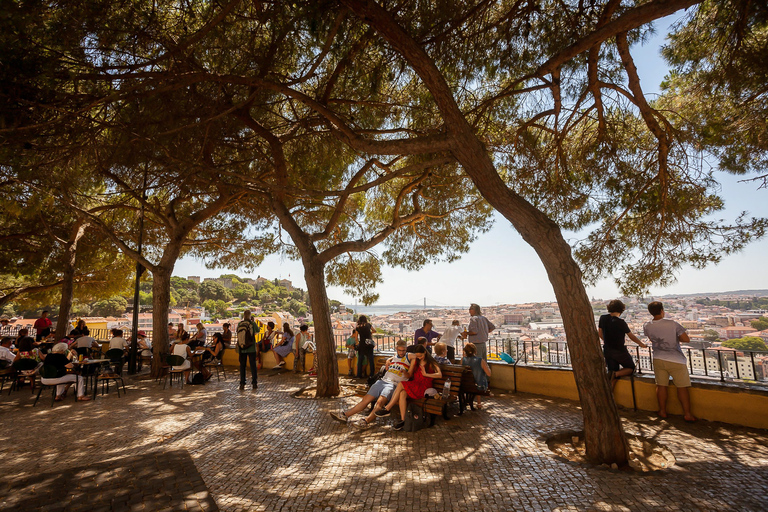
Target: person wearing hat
[58,359]
[5,328]
[144,345]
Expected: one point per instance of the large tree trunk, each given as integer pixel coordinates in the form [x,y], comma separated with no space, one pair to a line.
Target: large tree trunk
[161,300]
[327,367]
[604,437]
[68,279]
[314,274]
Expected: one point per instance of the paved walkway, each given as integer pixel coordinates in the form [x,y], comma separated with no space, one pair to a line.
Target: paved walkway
[215,447]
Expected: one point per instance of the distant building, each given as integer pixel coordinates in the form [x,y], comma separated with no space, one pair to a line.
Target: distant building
[738,332]
[194,279]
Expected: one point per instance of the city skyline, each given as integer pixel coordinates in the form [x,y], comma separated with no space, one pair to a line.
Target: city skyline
[516,275]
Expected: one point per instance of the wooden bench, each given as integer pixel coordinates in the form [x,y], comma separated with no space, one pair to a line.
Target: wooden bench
[468,390]
[438,405]
[462,386]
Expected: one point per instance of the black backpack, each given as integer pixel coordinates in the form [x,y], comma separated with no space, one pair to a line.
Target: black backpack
[416,418]
[198,379]
[245,338]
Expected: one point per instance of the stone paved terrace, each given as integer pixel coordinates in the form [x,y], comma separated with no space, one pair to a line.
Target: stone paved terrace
[214,447]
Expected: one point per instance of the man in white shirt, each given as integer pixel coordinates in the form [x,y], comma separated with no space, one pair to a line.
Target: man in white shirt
[668,359]
[6,355]
[398,370]
[450,337]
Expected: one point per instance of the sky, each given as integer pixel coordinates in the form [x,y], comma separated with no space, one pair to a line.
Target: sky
[500,268]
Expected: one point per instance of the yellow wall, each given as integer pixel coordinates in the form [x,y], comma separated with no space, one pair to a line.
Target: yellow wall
[738,406]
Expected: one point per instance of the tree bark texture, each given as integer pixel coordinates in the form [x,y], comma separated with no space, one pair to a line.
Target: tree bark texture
[325,352]
[314,274]
[604,437]
[161,301]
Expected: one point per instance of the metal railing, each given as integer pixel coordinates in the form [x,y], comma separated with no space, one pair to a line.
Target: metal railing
[706,363]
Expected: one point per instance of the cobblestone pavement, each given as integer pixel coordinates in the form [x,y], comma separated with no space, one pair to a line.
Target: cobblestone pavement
[215,447]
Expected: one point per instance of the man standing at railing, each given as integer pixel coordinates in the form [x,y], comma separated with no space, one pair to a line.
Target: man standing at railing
[611,330]
[427,332]
[478,330]
[668,359]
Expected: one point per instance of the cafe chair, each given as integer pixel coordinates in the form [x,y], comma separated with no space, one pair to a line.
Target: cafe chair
[49,372]
[6,374]
[107,374]
[172,361]
[115,356]
[24,369]
[218,365]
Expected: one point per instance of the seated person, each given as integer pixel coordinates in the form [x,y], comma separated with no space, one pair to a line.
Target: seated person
[480,369]
[441,351]
[426,369]
[83,344]
[145,347]
[284,347]
[6,354]
[80,330]
[58,359]
[199,338]
[119,342]
[420,341]
[265,345]
[399,369]
[304,344]
[180,348]
[216,351]
[26,349]
[611,329]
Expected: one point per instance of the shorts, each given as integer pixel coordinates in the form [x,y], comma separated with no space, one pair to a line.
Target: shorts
[264,346]
[663,369]
[615,357]
[382,388]
[482,351]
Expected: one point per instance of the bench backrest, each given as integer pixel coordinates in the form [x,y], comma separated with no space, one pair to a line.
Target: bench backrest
[452,371]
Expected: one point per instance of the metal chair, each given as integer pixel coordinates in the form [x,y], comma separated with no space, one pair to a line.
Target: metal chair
[174,360]
[217,363]
[115,356]
[24,369]
[48,372]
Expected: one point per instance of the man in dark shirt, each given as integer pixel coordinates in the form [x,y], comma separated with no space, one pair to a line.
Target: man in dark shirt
[612,329]
[57,358]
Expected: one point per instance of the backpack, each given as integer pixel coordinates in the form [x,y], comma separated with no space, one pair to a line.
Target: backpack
[416,418]
[198,379]
[245,338]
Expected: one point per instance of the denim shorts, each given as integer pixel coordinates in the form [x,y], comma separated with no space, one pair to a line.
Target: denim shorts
[382,388]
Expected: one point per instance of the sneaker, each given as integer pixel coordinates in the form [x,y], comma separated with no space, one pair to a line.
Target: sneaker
[242,385]
[278,367]
[255,386]
[382,413]
[281,363]
[398,425]
[339,416]
[361,424]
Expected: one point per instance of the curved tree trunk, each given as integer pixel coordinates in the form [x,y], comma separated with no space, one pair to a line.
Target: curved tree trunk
[327,367]
[604,437]
[314,275]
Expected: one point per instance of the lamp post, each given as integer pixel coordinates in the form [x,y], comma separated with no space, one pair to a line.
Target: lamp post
[134,356]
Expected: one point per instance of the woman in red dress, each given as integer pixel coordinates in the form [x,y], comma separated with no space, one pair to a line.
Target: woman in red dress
[426,369]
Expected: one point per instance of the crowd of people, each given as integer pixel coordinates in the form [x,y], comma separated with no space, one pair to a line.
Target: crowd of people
[407,374]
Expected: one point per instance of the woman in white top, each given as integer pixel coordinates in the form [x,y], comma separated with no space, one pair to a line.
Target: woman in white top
[180,348]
